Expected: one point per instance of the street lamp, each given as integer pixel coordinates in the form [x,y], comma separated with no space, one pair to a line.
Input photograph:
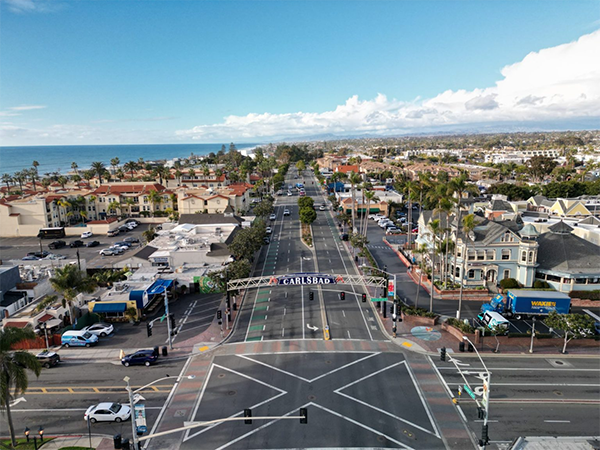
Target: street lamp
[41,433]
[26,432]
[44,326]
[486,398]
[532,336]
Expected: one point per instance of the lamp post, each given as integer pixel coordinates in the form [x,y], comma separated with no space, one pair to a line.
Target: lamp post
[41,433]
[486,398]
[44,326]
[532,336]
[168,319]
[26,432]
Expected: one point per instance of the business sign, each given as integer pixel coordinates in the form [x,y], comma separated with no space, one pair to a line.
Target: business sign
[391,291]
[140,417]
[292,279]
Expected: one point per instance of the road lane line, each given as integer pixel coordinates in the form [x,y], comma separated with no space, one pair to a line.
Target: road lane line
[557,421]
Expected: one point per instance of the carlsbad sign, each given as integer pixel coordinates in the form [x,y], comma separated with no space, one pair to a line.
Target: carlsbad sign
[293,279]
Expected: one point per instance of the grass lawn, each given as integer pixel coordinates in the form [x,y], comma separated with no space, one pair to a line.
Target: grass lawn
[22,444]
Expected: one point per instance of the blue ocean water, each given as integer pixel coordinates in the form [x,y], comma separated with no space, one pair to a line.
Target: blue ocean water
[59,158]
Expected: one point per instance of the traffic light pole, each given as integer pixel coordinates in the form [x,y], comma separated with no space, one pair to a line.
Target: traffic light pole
[486,397]
[168,320]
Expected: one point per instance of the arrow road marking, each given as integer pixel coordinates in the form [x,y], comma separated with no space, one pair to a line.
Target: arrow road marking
[311,328]
[17,401]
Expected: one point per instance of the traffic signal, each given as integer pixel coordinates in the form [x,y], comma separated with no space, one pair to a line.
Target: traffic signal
[172,319]
[149,329]
[311,295]
[342,295]
[364,298]
[484,435]
[443,354]
[304,415]
[248,413]
[219,314]
[480,413]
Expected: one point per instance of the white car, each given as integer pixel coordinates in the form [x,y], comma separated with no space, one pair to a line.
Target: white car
[322,208]
[384,223]
[269,231]
[107,412]
[286,212]
[290,193]
[273,217]
[54,256]
[100,329]
[86,234]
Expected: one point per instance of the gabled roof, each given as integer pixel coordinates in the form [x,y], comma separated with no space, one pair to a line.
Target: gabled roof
[499,205]
[591,220]
[560,228]
[348,168]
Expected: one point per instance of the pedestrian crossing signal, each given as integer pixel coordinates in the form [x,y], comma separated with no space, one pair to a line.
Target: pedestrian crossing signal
[149,329]
[443,354]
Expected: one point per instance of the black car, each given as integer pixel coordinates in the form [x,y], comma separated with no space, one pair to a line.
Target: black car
[77,243]
[39,254]
[92,244]
[344,236]
[57,244]
[132,240]
[123,243]
[145,357]
[124,228]
[132,221]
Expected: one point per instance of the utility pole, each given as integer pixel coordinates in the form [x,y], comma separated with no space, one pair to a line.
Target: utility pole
[168,320]
[134,436]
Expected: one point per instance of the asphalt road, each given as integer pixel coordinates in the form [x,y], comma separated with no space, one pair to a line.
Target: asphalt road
[58,399]
[530,396]
[276,312]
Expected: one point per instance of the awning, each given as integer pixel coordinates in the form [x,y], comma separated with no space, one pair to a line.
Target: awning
[117,307]
[159,286]
[52,323]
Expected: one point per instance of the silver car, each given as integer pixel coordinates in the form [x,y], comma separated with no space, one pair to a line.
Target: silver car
[100,329]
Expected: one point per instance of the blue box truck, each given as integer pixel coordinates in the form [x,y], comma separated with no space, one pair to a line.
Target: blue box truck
[522,304]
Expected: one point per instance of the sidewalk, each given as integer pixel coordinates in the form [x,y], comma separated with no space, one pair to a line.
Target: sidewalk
[98,442]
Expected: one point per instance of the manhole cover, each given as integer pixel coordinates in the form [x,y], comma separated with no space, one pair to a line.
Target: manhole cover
[560,394]
[231,392]
[221,375]
[559,363]
[426,333]
[381,438]
[312,397]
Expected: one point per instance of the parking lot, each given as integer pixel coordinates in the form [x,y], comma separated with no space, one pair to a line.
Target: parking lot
[18,247]
[524,326]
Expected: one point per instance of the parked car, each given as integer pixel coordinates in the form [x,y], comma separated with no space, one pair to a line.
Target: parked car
[273,217]
[131,239]
[289,193]
[107,412]
[384,223]
[100,329]
[108,252]
[123,243]
[86,234]
[145,357]
[269,230]
[286,212]
[78,338]
[112,233]
[54,257]
[39,255]
[117,249]
[393,230]
[133,221]
[56,245]
[415,230]
[124,228]
[92,244]
[322,208]
[48,359]
[77,243]
[266,240]
[344,236]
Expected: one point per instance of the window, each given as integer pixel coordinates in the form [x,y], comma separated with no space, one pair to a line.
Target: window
[530,259]
[471,274]
[471,256]
[523,256]
[505,255]
[480,256]
[490,254]
[507,274]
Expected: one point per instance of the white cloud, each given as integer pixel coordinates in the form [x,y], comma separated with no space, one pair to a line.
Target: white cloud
[27,107]
[555,84]
[33,6]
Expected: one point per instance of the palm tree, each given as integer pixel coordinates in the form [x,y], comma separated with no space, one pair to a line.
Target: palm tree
[114,162]
[420,251]
[6,178]
[62,181]
[33,174]
[98,168]
[371,197]
[20,177]
[114,205]
[434,229]
[191,174]
[74,166]
[178,174]
[468,227]
[130,166]
[445,207]
[88,175]
[64,204]
[130,203]
[354,179]
[155,198]
[13,370]
[69,281]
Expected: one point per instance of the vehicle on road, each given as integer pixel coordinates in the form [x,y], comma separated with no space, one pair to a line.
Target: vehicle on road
[107,412]
[54,245]
[77,243]
[269,230]
[78,338]
[141,357]
[286,212]
[523,304]
[86,234]
[30,258]
[273,217]
[322,208]
[266,240]
[51,233]
[92,244]
[48,359]
[131,240]
[289,193]
[100,329]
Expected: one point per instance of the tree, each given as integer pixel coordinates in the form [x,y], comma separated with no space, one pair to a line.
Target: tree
[371,197]
[468,227]
[114,162]
[421,250]
[7,178]
[74,166]
[434,229]
[98,168]
[540,166]
[307,215]
[155,198]
[113,206]
[264,208]
[149,235]
[574,326]
[354,179]
[130,166]
[69,281]
[13,370]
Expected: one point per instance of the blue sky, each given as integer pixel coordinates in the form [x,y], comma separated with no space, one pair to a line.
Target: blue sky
[110,72]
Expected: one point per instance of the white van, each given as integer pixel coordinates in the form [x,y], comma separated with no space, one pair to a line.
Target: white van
[78,338]
[494,320]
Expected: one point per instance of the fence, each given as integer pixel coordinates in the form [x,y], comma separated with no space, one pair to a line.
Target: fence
[38,342]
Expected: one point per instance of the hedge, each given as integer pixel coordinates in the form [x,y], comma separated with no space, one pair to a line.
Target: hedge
[464,327]
[585,295]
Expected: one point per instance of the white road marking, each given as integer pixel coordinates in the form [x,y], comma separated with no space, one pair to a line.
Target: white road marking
[344,313]
[556,421]
[349,337]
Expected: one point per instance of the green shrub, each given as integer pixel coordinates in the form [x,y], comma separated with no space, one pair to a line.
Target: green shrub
[464,327]
[585,295]
[509,283]
[539,284]
[412,311]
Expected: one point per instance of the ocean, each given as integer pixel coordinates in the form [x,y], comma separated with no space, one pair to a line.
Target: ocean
[59,158]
